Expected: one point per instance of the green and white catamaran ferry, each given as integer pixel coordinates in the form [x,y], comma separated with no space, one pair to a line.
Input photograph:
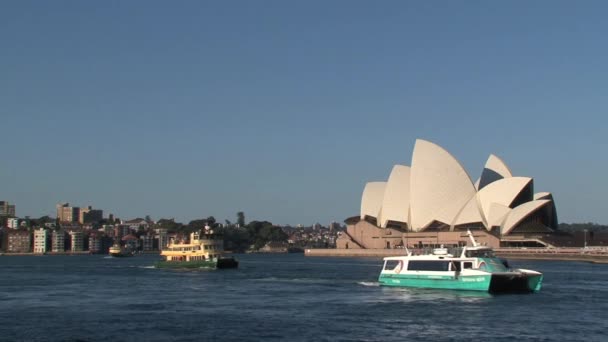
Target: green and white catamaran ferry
[476,269]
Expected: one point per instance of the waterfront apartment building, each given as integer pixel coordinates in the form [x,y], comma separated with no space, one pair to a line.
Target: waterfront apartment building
[163,238]
[58,241]
[77,241]
[137,223]
[108,229]
[41,241]
[147,242]
[7,209]
[19,241]
[12,223]
[95,243]
[121,230]
[90,215]
[65,213]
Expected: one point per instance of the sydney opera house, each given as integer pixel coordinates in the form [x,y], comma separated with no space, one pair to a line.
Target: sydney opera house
[434,201]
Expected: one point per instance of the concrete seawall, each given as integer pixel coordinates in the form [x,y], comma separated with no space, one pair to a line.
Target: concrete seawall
[44,254]
[66,253]
[353,252]
[566,254]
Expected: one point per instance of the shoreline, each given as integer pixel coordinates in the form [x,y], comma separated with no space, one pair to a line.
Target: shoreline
[593,256]
[66,253]
[593,260]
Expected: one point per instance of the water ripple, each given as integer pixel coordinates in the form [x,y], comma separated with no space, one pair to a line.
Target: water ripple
[283,297]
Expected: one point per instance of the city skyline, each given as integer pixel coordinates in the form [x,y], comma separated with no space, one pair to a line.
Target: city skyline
[284,111]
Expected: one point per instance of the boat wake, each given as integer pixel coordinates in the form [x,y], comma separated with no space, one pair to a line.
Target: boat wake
[295,280]
[369,283]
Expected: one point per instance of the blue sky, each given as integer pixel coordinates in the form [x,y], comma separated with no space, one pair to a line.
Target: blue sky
[284,110]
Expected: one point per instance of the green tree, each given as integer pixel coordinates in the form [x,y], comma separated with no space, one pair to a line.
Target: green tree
[171,225]
[198,224]
[211,221]
[43,220]
[262,232]
[237,240]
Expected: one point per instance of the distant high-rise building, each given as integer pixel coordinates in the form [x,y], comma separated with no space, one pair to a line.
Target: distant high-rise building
[95,242]
[12,223]
[58,241]
[147,242]
[65,213]
[107,229]
[77,239]
[7,209]
[41,240]
[121,230]
[90,215]
[163,238]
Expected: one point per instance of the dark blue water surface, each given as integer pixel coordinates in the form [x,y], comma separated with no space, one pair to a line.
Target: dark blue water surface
[283,297]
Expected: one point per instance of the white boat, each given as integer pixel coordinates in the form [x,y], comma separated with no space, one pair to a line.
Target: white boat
[476,268]
[118,251]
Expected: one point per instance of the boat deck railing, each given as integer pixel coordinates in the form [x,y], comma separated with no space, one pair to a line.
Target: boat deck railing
[454,251]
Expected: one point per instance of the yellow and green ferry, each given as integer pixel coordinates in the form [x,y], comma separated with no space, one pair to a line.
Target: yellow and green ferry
[117,251]
[476,269]
[203,250]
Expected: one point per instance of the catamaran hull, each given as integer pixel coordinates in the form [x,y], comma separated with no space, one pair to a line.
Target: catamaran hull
[514,282]
[469,283]
[493,283]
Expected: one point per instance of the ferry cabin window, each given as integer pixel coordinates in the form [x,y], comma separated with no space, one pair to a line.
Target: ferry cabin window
[497,265]
[428,265]
[391,264]
[467,264]
[480,253]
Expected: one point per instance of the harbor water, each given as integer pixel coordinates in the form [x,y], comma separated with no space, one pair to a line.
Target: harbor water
[284,297]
